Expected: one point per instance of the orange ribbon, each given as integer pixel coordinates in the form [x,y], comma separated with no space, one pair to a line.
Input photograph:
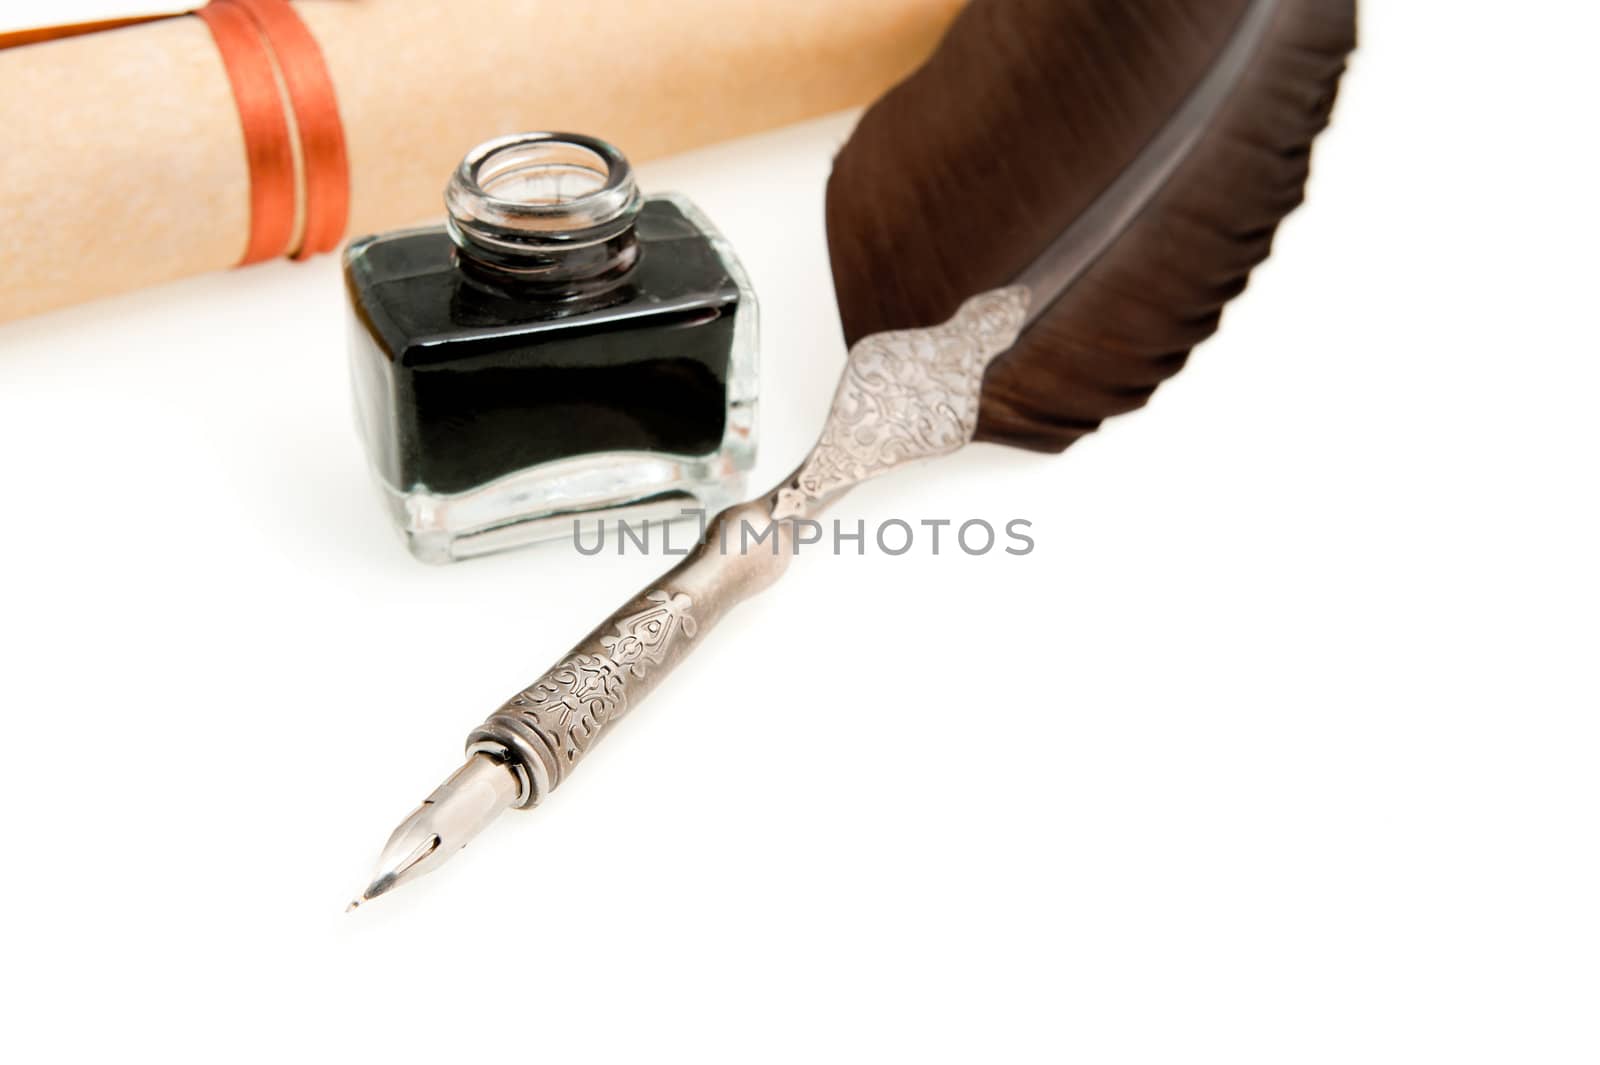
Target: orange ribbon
[279,78]
[266,129]
[316,115]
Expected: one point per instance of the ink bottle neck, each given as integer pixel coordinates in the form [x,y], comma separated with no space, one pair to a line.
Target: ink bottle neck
[548,214]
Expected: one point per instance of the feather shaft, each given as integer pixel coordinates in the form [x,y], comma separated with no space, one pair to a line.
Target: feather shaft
[1072,253]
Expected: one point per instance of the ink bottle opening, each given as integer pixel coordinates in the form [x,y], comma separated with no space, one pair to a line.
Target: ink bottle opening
[555,213]
[562,348]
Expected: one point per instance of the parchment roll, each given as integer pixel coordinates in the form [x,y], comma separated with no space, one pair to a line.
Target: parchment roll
[122,163]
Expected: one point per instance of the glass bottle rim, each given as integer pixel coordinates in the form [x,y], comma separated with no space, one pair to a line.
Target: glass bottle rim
[482,213]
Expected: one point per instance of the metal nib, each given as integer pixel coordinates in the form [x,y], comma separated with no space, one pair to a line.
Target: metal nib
[446,821]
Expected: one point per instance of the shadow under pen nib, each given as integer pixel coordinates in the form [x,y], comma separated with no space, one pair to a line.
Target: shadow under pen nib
[446,821]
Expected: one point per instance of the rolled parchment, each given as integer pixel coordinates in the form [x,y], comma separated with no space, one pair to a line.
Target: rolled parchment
[122,163]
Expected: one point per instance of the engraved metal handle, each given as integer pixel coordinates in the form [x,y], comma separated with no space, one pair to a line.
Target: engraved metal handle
[904,396]
[545,730]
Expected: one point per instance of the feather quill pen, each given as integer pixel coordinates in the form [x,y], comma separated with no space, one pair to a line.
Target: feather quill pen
[1028,236]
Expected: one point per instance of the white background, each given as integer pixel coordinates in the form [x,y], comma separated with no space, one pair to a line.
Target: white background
[1281,747]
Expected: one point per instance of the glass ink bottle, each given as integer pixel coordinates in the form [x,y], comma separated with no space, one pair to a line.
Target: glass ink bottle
[561,348]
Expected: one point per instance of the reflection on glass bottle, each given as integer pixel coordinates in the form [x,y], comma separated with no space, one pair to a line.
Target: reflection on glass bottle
[561,347]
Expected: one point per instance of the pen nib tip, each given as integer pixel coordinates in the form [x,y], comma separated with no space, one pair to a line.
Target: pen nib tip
[353,904]
[455,812]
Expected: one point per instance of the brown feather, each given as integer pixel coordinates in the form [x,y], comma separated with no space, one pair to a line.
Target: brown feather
[968,174]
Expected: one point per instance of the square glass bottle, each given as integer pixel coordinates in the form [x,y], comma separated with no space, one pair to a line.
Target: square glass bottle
[561,349]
